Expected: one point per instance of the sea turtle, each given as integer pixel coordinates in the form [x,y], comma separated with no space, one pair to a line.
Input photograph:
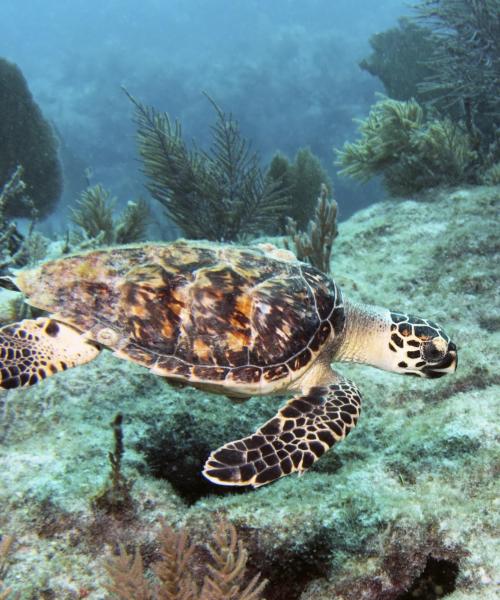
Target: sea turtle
[239,321]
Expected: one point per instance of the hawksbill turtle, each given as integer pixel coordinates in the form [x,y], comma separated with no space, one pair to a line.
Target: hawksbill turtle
[238,321]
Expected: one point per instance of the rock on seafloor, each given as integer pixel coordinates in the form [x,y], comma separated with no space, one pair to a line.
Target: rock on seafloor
[406,507]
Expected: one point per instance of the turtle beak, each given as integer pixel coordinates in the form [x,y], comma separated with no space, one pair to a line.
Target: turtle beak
[447,365]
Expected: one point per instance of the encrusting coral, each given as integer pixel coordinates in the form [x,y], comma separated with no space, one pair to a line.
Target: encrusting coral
[219,195]
[411,151]
[224,578]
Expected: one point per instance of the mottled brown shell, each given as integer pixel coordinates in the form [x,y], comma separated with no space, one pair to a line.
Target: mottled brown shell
[231,316]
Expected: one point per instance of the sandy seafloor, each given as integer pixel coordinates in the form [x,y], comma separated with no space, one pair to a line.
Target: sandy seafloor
[409,499]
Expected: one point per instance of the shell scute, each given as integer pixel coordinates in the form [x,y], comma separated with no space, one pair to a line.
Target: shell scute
[275,373]
[246,374]
[325,291]
[210,373]
[195,310]
[172,366]
[301,360]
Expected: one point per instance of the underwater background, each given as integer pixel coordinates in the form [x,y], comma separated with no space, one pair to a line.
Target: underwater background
[365,138]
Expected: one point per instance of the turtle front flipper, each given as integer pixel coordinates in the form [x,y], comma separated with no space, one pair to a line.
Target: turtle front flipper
[293,440]
[32,350]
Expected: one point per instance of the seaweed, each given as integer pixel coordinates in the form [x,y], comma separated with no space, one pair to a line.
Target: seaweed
[219,195]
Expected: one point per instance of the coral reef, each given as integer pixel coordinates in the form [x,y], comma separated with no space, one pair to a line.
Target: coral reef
[466,64]
[406,505]
[466,58]
[399,59]
[218,195]
[6,542]
[447,57]
[97,226]
[492,175]
[301,181]
[315,244]
[411,151]
[16,249]
[11,241]
[224,579]
[27,140]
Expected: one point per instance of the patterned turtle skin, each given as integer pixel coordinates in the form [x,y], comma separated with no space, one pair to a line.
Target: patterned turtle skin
[238,321]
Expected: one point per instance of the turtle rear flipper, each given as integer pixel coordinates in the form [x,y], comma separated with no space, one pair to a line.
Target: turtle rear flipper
[291,441]
[32,350]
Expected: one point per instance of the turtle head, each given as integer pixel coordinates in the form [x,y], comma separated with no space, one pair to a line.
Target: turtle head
[420,347]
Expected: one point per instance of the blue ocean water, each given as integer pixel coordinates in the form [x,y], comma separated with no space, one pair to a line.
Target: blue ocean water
[287,70]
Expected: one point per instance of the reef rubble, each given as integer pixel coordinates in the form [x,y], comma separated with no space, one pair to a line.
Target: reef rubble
[406,507]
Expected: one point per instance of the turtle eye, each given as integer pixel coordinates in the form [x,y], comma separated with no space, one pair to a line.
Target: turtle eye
[434,350]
